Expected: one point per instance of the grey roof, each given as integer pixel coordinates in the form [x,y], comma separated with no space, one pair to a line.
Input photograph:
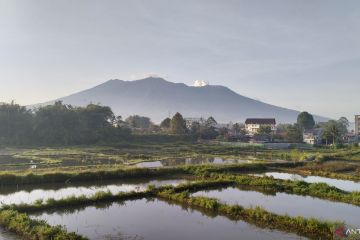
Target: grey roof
[267,121]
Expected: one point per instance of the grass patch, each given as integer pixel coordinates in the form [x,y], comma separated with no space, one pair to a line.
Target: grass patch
[312,228]
[27,228]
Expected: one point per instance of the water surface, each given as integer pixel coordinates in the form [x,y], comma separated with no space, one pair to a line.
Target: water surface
[345,185]
[190,161]
[293,205]
[155,220]
[6,235]
[13,196]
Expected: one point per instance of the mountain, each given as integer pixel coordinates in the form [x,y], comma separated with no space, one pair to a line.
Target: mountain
[158,98]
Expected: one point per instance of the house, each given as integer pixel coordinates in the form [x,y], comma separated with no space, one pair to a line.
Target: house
[313,136]
[252,125]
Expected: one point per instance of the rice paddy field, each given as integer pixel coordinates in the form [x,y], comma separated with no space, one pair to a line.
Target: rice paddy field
[179,191]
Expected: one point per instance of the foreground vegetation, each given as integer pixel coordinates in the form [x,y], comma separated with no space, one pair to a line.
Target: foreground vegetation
[204,172]
[319,190]
[312,228]
[322,162]
[180,194]
[27,228]
[110,172]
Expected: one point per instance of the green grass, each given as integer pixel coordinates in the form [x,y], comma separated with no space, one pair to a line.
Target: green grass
[78,174]
[27,228]
[107,173]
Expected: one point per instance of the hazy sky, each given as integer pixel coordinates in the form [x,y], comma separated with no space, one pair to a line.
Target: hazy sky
[303,55]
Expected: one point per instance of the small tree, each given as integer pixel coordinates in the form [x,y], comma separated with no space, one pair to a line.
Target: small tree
[265,133]
[293,133]
[210,122]
[195,129]
[334,131]
[166,123]
[178,124]
[343,124]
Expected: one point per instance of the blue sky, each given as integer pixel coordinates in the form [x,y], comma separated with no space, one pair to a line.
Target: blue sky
[303,55]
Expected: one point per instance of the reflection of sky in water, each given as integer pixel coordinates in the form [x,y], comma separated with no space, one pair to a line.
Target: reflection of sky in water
[32,196]
[190,161]
[341,184]
[292,205]
[155,220]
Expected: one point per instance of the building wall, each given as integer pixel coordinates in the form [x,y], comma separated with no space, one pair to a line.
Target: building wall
[253,128]
[357,125]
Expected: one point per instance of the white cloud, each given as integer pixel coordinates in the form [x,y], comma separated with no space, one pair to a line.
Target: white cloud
[200,83]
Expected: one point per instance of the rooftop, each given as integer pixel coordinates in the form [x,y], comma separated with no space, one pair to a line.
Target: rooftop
[267,121]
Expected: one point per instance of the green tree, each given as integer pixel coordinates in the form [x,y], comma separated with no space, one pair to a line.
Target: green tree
[166,123]
[293,133]
[15,124]
[264,130]
[343,124]
[195,128]
[178,124]
[334,131]
[210,122]
[59,124]
[305,120]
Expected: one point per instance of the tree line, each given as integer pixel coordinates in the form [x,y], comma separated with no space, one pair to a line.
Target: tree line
[64,124]
[58,124]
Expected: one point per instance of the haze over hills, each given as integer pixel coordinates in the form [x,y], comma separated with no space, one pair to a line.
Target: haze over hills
[158,98]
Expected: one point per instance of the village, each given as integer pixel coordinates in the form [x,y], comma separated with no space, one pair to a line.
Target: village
[257,130]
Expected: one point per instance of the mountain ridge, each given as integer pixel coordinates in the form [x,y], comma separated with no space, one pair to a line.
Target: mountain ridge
[158,98]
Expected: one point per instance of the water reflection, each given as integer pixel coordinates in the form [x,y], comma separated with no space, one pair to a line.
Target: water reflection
[293,205]
[135,220]
[6,235]
[9,196]
[190,161]
[345,185]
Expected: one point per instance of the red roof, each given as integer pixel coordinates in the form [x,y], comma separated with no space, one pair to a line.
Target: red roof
[263,121]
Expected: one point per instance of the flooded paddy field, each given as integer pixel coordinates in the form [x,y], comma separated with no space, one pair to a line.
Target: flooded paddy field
[163,219]
[30,194]
[345,185]
[349,169]
[9,163]
[154,220]
[283,203]
[190,161]
[142,155]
